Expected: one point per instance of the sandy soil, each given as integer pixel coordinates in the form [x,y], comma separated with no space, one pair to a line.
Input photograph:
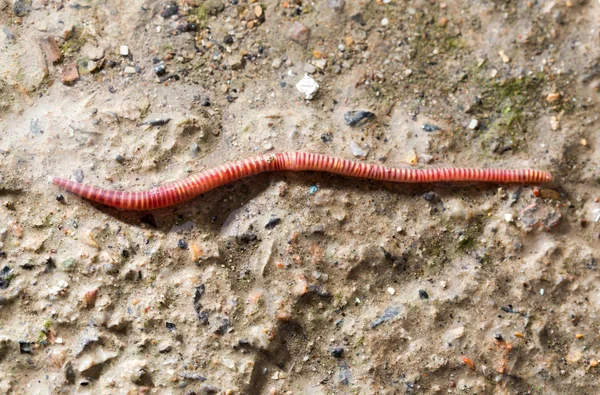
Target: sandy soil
[299,282]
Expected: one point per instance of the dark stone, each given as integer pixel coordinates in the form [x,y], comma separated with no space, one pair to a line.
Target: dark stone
[69,373]
[24,347]
[228,39]
[430,128]
[6,275]
[355,117]
[423,294]
[222,329]
[169,9]
[171,326]
[182,244]
[337,352]
[327,137]
[60,198]
[78,175]
[273,222]
[22,7]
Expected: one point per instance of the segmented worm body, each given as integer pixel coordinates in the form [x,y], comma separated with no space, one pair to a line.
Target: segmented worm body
[188,188]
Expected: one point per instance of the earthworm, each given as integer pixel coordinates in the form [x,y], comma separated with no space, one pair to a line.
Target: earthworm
[179,191]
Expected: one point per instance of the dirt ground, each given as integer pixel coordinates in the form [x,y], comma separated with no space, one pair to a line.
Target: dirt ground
[300,282]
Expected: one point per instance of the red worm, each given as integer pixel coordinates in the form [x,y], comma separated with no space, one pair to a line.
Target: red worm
[186,189]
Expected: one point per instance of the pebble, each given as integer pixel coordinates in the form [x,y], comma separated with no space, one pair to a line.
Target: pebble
[78,175]
[129,70]
[552,97]
[309,68]
[92,66]
[320,63]
[357,150]
[385,22]
[169,9]
[308,86]
[299,33]
[181,243]
[336,5]
[341,47]
[408,72]
[51,49]
[69,74]
[124,50]
[473,124]
[337,352]
[236,62]
[276,63]
[504,57]
[508,218]
[93,52]
[423,294]
[391,291]
[213,7]
[354,117]
[258,11]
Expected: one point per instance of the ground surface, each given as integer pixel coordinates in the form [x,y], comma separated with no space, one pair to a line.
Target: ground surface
[300,282]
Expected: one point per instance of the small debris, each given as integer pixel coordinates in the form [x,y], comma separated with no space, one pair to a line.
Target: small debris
[337,352]
[391,291]
[313,189]
[155,122]
[354,117]
[129,70]
[6,275]
[78,174]
[51,49]
[390,313]
[408,72]
[385,22]
[181,243]
[273,222]
[69,74]
[124,50]
[60,198]
[357,150]
[336,5]
[423,294]
[276,63]
[504,57]
[299,33]
[430,128]
[89,298]
[169,9]
[473,124]
[308,86]
[553,97]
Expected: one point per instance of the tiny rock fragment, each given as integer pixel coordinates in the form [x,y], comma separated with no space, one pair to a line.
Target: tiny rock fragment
[299,33]
[357,150]
[276,63]
[129,70]
[473,124]
[554,123]
[412,158]
[349,40]
[391,290]
[51,49]
[594,363]
[355,117]
[443,22]
[579,335]
[504,57]
[336,5]
[553,97]
[124,50]
[549,194]
[519,335]
[258,11]
[168,9]
[308,86]
[236,62]
[89,298]
[408,72]
[69,74]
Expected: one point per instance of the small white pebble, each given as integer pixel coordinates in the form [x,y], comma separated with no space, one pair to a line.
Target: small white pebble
[504,57]
[385,22]
[508,217]
[542,291]
[473,124]
[391,290]
[124,50]
[59,340]
[408,72]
